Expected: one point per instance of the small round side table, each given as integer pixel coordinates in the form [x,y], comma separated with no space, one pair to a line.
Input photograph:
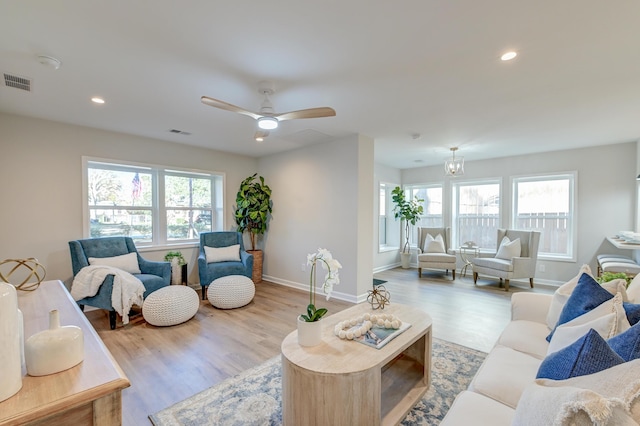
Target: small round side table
[466,254]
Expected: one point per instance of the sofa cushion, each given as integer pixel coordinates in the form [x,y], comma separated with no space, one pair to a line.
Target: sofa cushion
[127,262]
[509,249]
[490,262]
[433,245]
[437,258]
[608,319]
[470,408]
[527,337]
[561,295]
[627,344]
[587,355]
[222,254]
[504,374]
[540,404]
[587,295]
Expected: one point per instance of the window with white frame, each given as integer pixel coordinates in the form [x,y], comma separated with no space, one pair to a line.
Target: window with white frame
[388,226]
[431,205]
[546,204]
[153,205]
[476,213]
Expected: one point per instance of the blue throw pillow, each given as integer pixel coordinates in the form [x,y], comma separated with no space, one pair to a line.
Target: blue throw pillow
[587,355]
[627,344]
[587,295]
[633,312]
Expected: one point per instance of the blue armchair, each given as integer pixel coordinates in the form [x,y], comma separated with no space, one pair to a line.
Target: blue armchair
[154,275]
[211,271]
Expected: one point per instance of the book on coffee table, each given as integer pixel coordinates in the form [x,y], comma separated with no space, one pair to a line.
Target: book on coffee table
[377,337]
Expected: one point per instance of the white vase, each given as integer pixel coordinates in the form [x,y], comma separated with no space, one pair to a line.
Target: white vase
[53,350]
[10,365]
[309,333]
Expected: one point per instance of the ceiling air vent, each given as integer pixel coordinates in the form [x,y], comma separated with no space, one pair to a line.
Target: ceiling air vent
[179,132]
[16,82]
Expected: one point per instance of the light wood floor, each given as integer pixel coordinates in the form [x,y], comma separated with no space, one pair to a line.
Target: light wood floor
[168,364]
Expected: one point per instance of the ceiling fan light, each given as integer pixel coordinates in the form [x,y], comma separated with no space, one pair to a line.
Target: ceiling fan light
[268,123]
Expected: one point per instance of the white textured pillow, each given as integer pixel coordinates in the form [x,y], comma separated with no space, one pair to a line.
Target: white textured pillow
[433,245]
[560,401]
[633,291]
[608,319]
[508,249]
[222,254]
[126,262]
[561,296]
[617,286]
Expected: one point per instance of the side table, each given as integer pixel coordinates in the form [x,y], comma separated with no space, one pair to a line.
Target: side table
[466,254]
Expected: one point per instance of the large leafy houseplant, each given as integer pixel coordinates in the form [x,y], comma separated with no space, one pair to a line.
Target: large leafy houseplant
[329,264]
[253,207]
[407,210]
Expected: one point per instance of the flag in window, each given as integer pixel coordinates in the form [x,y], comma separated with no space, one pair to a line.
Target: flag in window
[137,186]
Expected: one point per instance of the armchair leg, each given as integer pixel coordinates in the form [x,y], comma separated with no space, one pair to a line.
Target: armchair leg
[419,272]
[475,278]
[531,282]
[204,292]
[112,319]
[453,273]
[506,285]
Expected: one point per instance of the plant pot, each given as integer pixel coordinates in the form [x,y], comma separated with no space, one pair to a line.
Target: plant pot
[309,333]
[256,274]
[405,260]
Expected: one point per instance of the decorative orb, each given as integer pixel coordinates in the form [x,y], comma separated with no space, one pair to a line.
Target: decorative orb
[29,270]
[378,297]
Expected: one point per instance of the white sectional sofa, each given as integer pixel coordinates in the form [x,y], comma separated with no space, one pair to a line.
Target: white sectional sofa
[507,377]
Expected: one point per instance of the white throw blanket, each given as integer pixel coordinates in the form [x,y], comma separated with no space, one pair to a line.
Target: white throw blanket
[127,289]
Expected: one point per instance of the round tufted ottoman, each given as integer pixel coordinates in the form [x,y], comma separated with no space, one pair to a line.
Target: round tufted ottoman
[232,291]
[170,305]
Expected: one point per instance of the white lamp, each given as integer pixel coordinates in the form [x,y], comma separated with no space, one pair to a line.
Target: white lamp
[267,123]
[454,166]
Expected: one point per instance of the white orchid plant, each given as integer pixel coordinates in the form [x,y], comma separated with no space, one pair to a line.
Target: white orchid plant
[329,264]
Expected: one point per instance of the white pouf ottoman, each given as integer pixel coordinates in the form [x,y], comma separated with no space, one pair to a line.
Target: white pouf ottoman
[232,291]
[170,305]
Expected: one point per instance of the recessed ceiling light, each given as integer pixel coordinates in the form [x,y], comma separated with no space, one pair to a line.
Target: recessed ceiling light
[508,56]
[97,100]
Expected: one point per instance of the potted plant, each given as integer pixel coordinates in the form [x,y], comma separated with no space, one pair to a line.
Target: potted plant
[309,327]
[178,267]
[253,210]
[409,211]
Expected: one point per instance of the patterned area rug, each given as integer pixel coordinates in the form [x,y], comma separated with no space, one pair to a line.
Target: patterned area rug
[254,396]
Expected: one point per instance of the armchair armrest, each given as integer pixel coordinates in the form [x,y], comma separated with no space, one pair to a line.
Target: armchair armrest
[161,269]
[530,307]
[524,267]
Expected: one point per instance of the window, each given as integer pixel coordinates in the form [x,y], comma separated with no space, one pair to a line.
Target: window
[545,204]
[151,204]
[476,213]
[388,227]
[432,207]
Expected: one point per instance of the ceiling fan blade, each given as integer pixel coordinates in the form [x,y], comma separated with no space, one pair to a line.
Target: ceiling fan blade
[306,113]
[260,135]
[228,107]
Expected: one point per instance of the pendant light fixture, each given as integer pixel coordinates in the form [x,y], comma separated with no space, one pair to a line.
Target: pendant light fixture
[454,166]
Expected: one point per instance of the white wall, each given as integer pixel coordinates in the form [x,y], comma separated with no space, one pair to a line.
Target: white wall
[41,178]
[321,198]
[606,189]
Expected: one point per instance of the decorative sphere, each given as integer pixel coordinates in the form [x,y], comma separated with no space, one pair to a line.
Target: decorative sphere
[395,324]
[349,335]
[342,334]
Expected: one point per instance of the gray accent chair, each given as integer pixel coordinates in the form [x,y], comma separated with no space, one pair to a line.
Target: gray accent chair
[523,266]
[154,275]
[444,260]
[211,271]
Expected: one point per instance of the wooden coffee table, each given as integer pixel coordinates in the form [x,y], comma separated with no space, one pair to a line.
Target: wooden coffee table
[342,382]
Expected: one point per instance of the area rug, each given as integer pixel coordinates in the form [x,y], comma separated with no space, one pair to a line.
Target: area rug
[378,282]
[254,396]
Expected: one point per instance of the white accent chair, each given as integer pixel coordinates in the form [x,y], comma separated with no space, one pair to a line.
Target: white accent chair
[523,266]
[432,260]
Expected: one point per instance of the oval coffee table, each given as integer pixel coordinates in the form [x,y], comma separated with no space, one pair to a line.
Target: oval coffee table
[340,382]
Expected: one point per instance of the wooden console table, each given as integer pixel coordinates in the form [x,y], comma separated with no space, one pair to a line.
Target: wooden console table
[342,382]
[87,394]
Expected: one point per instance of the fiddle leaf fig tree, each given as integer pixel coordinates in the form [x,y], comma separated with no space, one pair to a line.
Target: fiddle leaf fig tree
[253,207]
[407,210]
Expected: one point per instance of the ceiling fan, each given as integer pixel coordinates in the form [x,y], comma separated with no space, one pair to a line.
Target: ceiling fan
[267,118]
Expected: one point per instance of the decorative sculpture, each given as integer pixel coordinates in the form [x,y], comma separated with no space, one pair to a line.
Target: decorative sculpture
[34,269]
[378,297]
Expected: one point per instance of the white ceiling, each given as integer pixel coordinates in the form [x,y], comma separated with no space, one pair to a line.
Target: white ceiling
[390,69]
